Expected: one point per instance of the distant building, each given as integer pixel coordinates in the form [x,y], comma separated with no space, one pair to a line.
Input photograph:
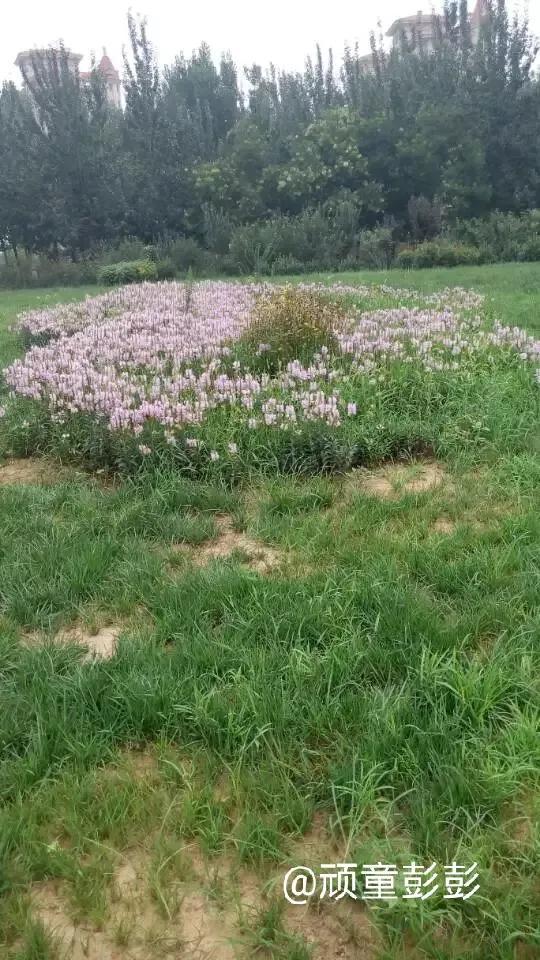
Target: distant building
[28,60]
[366,64]
[419,31]
[422,30]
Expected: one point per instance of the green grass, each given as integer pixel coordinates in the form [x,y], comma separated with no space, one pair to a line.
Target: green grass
[372,698]
[13,302]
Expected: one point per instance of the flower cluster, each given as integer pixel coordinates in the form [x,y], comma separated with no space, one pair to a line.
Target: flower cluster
[165,353]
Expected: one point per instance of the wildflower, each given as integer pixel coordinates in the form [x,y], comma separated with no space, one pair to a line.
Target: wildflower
[144,449]
[2,412]
[233,448]
[214,455]
[150,354]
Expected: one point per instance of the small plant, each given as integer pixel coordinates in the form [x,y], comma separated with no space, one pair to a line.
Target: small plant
[291,324]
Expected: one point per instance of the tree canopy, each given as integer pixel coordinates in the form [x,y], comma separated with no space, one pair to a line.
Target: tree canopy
[458,126]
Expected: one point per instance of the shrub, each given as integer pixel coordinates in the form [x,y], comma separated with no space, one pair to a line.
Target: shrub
[165,269]
[530,250]
[376,248]
[501,236]
[126,250]
[133,271]
[186,254]
[406,258]
[289,324]
[425,218]
[217,228]
[34,271]
[438,253]
[252,248]
[287,265]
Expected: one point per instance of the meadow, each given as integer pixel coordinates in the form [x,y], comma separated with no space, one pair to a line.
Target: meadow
[319,646]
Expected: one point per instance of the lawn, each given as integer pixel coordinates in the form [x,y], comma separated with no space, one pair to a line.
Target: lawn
[329,669]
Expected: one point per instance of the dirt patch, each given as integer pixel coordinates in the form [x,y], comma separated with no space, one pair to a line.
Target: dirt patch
[443,525]
[396,480]
[212,909]
[258,556]
[166,898]
[33,471]
[197,927]
[99,644]
[334,930]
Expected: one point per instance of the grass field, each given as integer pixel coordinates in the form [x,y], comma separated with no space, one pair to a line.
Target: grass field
[319,671]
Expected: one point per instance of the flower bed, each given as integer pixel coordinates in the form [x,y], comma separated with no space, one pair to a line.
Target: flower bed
[161,362]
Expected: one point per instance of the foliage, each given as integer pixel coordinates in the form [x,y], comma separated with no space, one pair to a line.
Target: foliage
[291,323]
[133,271]
[438,253]
[502,236]
[33,271]
[428,140]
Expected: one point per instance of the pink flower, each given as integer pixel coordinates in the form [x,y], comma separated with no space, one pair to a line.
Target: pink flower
[351,409]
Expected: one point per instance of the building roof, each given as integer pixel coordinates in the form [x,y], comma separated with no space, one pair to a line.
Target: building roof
[107,68]
[366,62]
[27,55]
[418,20]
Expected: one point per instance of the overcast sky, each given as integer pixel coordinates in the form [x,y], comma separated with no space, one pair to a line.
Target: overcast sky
[282,31]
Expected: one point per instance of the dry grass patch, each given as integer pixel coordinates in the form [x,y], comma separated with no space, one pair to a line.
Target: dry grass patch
[394,480]
[231,542]
[33,471]
[100,645]
[443,525]
[98,642]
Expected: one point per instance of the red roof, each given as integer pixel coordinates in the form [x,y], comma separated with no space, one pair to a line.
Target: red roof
[107,68]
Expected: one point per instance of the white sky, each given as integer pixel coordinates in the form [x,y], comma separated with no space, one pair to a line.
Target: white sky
[284,31]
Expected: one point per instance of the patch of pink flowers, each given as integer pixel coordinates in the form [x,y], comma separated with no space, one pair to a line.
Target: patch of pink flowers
[164,353]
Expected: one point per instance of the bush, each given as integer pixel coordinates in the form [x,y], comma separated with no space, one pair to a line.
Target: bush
[252,248]
[185,254]
[376,248]
[290,324]
[133,271]
[438,253]
[425,218]
[165,269]
[35,271]
[324,238]
[126,250]
[502,236]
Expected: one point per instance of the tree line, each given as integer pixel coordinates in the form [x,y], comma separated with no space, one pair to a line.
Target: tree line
[425,138]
